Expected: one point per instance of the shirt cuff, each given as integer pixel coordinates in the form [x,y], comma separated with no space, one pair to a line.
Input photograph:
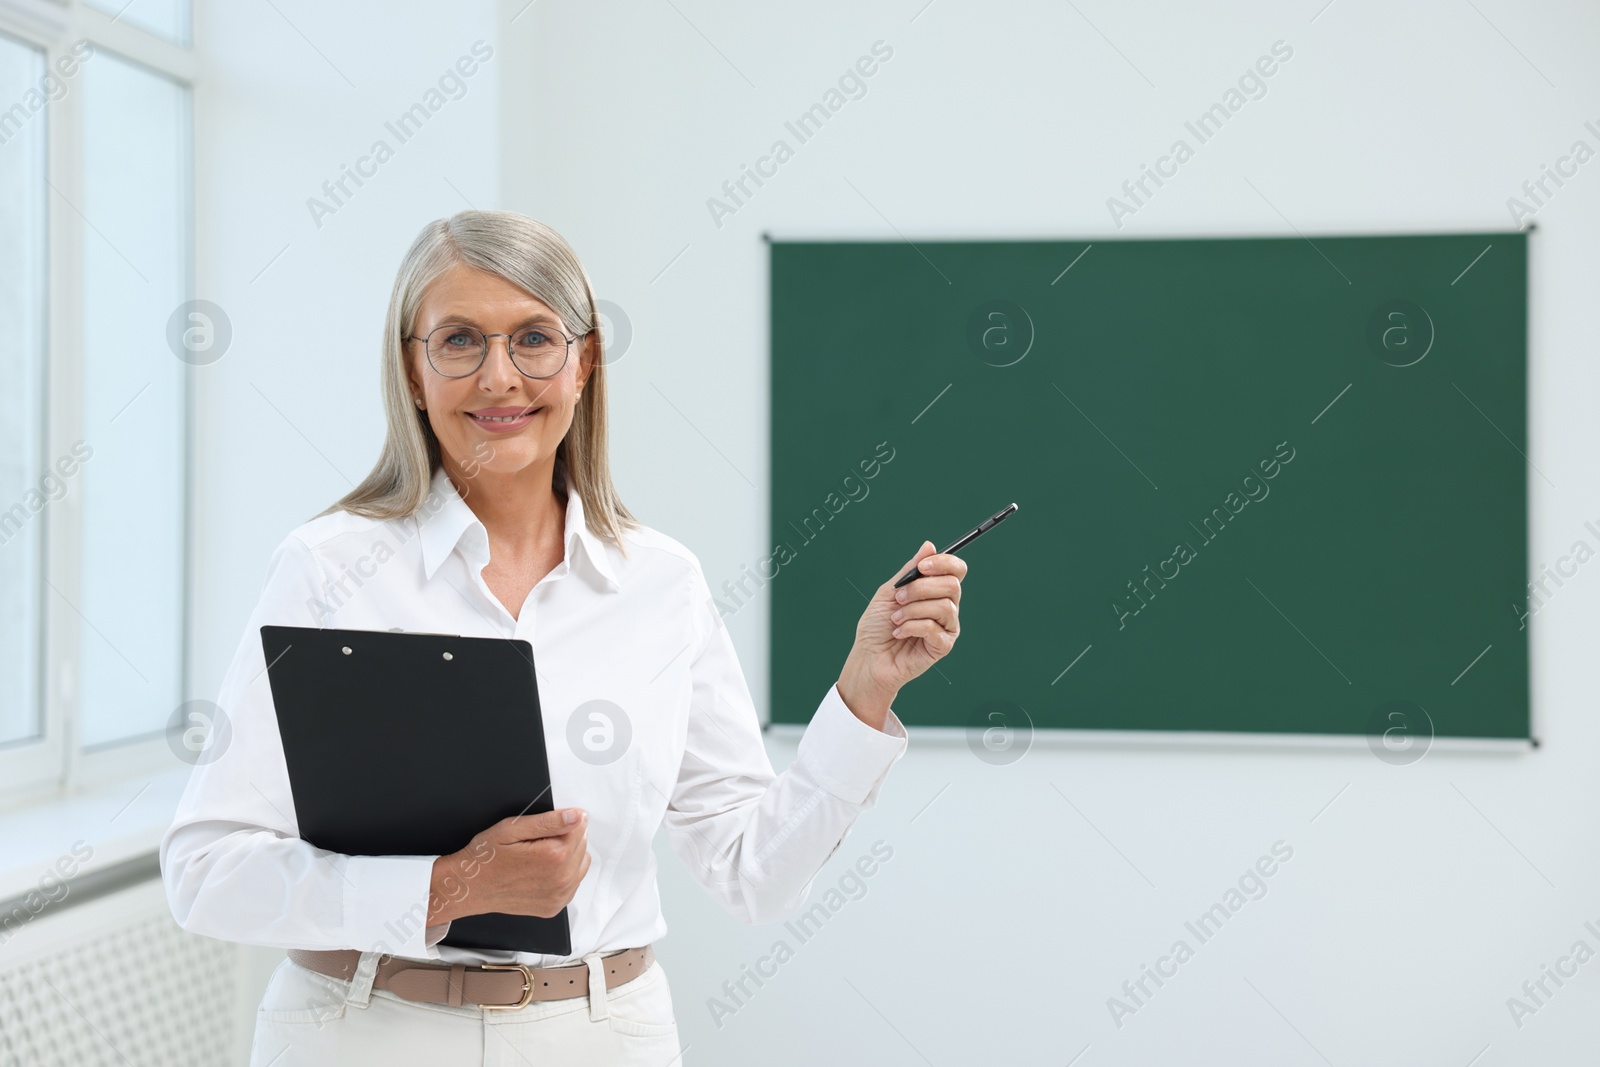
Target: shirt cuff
[848,757]
[386,905]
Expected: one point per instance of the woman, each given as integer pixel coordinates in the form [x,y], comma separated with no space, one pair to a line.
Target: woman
[491,513]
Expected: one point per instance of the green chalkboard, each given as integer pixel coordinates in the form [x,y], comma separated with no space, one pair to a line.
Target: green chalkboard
[1265,485]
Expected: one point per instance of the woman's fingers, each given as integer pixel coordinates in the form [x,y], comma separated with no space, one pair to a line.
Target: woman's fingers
[579,857]
[944,563]
[932,564]
[925,627]
[942,610]
[926,618]
[533,827]
[915,561]
[930,587]
[927,607]
[930,630]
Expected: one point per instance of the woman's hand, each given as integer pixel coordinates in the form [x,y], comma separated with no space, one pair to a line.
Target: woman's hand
[522,865]
[902,633]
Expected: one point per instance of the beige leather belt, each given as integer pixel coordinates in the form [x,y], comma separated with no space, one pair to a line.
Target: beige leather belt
[488,985]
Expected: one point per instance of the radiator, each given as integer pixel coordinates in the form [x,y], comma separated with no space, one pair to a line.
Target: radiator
[114,981]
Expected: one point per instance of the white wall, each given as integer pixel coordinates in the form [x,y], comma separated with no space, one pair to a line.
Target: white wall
[1424,896]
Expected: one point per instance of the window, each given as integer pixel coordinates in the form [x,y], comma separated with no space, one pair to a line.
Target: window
[95,270]
[135,277]
[164,18]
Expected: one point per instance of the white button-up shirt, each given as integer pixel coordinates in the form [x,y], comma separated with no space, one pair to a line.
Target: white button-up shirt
[643,633]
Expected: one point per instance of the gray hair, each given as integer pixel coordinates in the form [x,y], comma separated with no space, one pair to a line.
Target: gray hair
[534,257]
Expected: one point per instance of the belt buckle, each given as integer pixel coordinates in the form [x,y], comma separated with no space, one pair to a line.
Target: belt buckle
[527,985]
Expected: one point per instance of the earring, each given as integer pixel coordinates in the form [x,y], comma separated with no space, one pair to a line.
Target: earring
[418,399]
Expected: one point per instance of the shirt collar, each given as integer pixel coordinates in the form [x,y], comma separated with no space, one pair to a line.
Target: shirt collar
[445,520]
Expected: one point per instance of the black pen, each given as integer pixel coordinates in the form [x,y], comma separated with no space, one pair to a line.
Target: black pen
[982,527]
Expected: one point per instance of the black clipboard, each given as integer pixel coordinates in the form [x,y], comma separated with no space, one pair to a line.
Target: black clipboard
[409,744]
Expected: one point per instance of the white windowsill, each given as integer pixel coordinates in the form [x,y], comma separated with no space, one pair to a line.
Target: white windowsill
[115,822]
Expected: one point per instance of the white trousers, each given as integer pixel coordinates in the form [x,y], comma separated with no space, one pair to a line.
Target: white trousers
[306,1018]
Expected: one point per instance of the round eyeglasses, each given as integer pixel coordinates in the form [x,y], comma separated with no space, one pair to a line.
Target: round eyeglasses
[537,351]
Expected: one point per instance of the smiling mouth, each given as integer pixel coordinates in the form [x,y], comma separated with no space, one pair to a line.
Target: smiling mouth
[504,418]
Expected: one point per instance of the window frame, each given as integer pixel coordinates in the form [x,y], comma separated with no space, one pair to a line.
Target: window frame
[54,763]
